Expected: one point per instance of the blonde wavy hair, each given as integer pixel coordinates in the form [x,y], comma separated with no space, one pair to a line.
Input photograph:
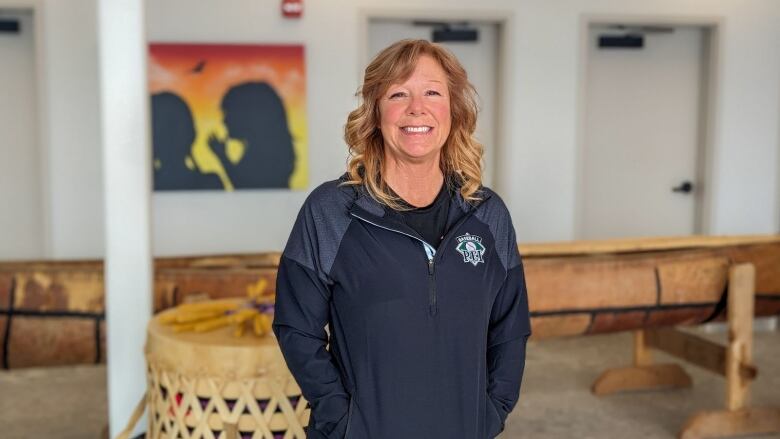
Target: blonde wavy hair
[461,154]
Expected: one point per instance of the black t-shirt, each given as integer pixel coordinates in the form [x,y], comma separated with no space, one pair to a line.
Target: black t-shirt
[429,221]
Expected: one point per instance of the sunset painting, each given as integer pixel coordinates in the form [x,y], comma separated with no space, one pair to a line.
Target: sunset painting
[228,116]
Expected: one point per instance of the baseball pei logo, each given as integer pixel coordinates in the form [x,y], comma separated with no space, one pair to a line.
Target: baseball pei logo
[471,248]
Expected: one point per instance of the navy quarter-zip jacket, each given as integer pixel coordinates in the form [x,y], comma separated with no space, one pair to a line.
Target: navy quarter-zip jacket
[424,343]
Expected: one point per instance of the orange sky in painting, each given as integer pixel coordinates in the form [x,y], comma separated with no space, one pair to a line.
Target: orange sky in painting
[172,67]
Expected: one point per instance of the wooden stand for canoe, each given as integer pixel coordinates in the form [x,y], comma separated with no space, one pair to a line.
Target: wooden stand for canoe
[733,361]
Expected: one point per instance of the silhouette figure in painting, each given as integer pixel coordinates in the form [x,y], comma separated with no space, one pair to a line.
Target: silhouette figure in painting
[173,132]
[254,115]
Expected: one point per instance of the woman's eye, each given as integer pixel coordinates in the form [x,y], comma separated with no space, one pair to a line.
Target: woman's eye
[432,93]
[398,94]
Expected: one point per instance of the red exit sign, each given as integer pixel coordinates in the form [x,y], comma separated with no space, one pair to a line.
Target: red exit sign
[292,8]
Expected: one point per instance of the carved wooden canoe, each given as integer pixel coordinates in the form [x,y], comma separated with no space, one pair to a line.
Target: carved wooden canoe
[607,286]
[51,312]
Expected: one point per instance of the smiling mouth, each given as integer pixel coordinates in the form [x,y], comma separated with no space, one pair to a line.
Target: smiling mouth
[417,129]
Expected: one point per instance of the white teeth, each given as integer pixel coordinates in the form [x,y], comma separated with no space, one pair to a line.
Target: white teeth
[416,129]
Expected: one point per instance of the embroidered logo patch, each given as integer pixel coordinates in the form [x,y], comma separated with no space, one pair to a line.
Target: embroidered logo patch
[471,248]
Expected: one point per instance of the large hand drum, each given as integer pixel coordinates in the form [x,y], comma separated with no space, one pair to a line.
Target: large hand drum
[216,386]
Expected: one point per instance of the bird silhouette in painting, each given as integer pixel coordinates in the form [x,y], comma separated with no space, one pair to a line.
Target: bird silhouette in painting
[198,67]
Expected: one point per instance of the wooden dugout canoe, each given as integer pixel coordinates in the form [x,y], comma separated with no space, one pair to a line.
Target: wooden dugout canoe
[579,288]
[51,312]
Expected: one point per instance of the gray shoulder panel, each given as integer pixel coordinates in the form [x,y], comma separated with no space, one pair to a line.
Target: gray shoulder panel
[319,227]
[494,213]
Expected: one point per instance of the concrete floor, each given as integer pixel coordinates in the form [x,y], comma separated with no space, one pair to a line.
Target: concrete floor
[70,403]
[556,402]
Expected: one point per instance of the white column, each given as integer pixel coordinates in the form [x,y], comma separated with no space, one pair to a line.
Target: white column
[127,187]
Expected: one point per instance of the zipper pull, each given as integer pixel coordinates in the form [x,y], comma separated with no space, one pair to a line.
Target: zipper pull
[430,267]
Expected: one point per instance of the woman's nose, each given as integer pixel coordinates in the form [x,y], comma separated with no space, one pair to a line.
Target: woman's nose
[416,105]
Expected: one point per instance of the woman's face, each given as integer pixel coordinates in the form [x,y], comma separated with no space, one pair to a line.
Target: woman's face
[415,114]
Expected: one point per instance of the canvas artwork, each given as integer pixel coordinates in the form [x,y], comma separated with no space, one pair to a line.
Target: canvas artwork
[228,116]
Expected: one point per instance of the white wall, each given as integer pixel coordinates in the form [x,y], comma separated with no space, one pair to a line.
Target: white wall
[536,176]
[20,179]
[72,142]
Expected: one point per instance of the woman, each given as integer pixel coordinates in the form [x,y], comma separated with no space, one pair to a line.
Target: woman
[173,131]
[254,114]
[411,263]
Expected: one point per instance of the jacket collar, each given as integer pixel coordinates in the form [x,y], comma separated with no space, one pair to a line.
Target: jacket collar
[368,208]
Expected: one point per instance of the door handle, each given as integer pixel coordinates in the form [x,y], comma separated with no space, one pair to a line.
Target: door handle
[685,187]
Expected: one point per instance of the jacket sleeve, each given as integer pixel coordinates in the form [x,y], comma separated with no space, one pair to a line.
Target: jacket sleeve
[508,332]
[301,313]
